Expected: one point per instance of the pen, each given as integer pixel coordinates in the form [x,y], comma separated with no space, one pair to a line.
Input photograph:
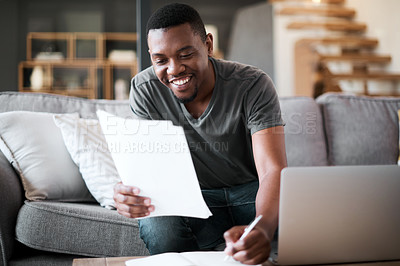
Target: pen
[247,230]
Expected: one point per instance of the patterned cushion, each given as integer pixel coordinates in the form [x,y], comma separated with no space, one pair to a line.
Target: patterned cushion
[87,146]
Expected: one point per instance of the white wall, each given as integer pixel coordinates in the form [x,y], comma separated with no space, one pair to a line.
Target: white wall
[383,22]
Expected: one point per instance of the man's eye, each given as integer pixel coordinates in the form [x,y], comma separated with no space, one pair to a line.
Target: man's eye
[186,55]
[160,61]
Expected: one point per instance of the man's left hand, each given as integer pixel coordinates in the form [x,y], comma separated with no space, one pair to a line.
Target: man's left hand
[253,249]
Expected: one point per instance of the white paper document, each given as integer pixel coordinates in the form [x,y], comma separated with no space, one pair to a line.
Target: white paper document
[154,156]
[201,258]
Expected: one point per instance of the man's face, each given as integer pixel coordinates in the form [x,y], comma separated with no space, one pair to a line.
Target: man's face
[180,60]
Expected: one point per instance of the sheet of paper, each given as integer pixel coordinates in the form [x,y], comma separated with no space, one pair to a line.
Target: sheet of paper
[201,258]
[165,259]
[154,156]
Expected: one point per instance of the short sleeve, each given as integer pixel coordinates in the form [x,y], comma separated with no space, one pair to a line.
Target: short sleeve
[262,105]
[137,102]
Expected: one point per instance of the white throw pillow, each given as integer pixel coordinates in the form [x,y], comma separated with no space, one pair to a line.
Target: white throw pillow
[85,142]
[34,146]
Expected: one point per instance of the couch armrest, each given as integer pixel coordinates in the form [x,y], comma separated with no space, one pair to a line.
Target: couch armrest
[11,198]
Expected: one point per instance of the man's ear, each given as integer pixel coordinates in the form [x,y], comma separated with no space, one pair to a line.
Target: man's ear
[151,59]
[209,44]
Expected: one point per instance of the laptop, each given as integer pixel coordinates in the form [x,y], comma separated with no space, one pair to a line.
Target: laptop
[339,214]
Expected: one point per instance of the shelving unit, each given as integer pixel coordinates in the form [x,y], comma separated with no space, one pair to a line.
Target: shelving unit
[88,65]
[66,78]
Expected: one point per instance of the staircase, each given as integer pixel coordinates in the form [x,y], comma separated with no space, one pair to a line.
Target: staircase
[340,57]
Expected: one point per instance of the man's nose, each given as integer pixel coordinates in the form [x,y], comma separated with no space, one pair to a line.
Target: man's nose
[175,67]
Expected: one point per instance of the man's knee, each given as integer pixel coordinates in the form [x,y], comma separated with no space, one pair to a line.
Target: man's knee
[167,234]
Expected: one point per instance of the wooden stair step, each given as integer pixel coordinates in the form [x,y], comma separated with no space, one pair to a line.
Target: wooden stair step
[332,2]
[367,76]
[341,12]
[358,58]
[345,26]
[344,42]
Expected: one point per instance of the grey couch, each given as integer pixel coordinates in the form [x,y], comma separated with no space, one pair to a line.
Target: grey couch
[333,130]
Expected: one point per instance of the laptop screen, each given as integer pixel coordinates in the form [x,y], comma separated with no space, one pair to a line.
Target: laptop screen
[337,214]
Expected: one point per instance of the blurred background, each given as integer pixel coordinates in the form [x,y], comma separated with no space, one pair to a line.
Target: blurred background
[92,48]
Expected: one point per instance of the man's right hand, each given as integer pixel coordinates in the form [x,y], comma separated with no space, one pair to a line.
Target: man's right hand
[129,203]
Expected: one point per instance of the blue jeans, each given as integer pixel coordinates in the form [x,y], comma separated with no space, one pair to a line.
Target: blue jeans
[229,206]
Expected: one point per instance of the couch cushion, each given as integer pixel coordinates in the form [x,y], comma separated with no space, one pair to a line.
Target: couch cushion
[87,146]
[82,229]
[360,129]
[34,146]
[305,143]
[40,102]
[304,133]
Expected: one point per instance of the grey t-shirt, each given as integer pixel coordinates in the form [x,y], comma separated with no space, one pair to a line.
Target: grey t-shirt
[243,102]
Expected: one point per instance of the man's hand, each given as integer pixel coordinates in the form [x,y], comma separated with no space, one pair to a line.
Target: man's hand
[253,249]
[129,203]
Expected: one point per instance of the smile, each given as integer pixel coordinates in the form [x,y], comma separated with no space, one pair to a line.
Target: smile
[181,81]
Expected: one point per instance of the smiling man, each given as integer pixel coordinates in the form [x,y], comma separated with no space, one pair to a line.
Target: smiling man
[231,116]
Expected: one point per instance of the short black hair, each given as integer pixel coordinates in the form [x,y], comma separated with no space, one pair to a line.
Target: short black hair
[174,15]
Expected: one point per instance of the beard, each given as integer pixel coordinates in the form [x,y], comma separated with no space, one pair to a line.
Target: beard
[188,99]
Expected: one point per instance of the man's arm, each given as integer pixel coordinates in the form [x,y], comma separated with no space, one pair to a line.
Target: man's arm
[270,158]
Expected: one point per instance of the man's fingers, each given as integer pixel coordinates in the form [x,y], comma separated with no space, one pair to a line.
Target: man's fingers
[134,210]
[253,255]
[251,258]
[129,203]
[231,237]
[252,239]
[131,215]
[133,200]
[229,250]
[119,188]
[233,234]
[254,249]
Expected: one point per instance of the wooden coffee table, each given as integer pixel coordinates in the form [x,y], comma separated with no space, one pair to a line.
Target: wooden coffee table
[117,261]
[120,261]
[112,261]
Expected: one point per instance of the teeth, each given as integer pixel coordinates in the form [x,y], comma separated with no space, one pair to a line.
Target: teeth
[181,81]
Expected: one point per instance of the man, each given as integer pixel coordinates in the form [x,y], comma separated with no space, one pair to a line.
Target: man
[231,116]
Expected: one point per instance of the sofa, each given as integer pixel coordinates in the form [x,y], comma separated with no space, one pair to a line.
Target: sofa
[334,129]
